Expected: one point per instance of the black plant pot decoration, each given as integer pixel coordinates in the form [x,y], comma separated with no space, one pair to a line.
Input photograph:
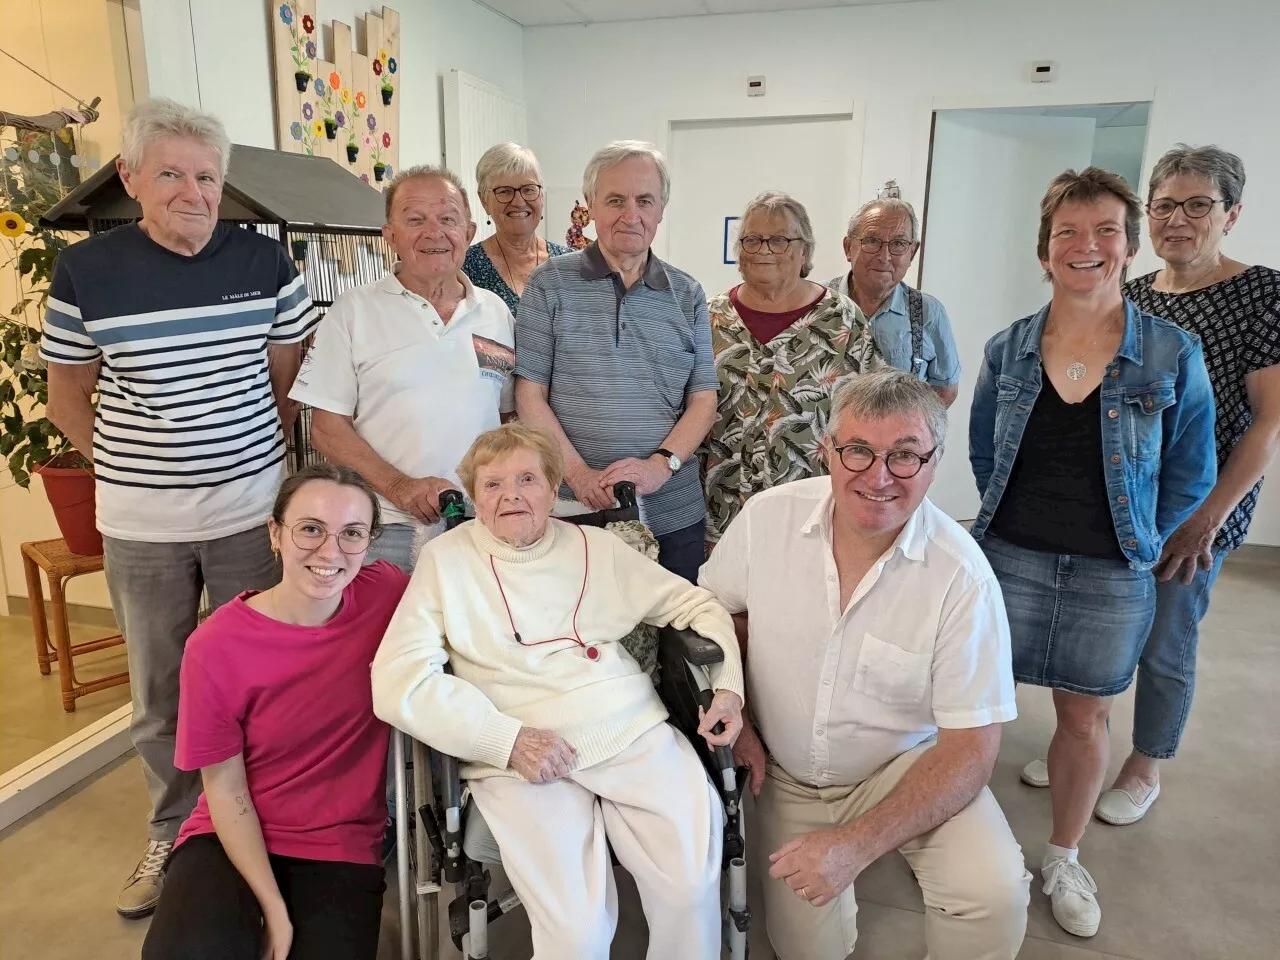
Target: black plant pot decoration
[352,152]
[299,249]
[302,78]
[379,171]
[386,95]
[331,130]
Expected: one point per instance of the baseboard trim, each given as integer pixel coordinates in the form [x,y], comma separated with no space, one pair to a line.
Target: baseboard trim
[80,613]
[42,778]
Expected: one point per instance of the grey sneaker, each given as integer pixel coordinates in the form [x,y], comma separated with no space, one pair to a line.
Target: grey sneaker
[141,891]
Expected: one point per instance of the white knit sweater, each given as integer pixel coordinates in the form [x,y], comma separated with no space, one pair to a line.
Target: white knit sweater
[453,612]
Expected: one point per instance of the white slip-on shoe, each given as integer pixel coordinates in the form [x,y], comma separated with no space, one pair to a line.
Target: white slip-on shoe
[1122,807]
[1071,892]
[1035,773]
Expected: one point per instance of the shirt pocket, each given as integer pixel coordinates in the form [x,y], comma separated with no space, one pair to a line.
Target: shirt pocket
[1145,420]
[890,674]
[1008,390]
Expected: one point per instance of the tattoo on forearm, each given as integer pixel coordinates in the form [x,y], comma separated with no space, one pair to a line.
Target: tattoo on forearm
[242,802]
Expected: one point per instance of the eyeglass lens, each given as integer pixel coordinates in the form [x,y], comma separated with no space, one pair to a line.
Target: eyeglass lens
[752,244]
[312,536]
[530,191]
[873,244]
[1193,207]
[903,464]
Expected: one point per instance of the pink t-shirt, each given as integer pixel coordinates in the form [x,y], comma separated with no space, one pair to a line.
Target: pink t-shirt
[297,702]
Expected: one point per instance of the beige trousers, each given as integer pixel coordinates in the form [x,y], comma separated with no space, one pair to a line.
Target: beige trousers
[970,870]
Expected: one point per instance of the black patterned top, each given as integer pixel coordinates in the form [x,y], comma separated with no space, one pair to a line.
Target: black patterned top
[1238,322]
[480,269]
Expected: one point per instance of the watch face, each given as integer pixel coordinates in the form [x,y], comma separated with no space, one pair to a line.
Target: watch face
[673,462]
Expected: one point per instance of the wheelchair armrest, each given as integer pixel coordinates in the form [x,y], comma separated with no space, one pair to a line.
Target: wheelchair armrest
[691,646]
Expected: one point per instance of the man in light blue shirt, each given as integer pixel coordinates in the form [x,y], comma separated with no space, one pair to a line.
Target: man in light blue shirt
[911,329]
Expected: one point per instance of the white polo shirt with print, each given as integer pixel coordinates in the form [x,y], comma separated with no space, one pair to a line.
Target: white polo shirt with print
[923,642]
[419,389]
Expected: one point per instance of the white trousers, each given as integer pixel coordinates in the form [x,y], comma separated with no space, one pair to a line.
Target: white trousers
[656,807]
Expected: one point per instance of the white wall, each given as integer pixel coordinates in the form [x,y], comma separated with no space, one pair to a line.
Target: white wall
[219,57]
[896,63]
[1119,149]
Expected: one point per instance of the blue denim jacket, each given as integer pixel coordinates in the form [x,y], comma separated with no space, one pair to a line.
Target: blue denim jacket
[1157,426]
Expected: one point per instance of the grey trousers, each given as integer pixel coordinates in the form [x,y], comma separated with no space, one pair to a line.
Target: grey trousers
[395,544]
[155,592]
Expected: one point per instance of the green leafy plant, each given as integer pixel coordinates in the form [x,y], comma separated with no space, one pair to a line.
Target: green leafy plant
[27,190]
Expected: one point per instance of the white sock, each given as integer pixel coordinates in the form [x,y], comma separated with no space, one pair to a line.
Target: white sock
[1054,852]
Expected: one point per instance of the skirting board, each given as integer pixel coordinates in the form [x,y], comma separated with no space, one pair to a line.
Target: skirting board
[40,779]
[77,613]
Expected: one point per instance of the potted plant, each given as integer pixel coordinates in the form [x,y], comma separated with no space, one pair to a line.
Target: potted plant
[301,48]
[388,88]
[29,442]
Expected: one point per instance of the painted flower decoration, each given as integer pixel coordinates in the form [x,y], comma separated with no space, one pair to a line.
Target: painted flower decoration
[286,14]
[311,50]
[295,130]
[386,139]
[319,87]
[364,178]
[373,123]
[361,100]
[389,171]
[346,94]
[382,54]
[340,118]
[12,224]
[392,66]
[368,141]
[308,24]
[307,111]
[377,68]
[335,81]
[317,129]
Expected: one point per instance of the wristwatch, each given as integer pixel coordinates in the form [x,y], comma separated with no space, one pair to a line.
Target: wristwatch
[672,460]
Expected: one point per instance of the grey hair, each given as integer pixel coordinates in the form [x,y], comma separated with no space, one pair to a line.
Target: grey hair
[774,201]
[1224,169]
[613,154]
[504,160]
[883,393]
[885,205]
[426,171]
[161,118]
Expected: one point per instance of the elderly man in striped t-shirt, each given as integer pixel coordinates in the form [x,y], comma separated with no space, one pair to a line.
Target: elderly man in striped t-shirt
[190,333]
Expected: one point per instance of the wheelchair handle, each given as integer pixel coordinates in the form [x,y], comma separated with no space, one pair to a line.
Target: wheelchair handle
[452,508]
[625,493]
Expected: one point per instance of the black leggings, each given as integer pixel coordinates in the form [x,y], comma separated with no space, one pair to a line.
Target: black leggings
[207,911]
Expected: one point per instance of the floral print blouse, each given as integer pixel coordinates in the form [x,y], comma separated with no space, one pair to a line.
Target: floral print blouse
[482,272]
[775,398]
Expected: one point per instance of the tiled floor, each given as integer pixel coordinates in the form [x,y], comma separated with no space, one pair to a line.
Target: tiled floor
[1196,880]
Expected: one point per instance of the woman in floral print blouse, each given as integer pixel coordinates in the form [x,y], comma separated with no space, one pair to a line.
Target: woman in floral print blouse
[781,342]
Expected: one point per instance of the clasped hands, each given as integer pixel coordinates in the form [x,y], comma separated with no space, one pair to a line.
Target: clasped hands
[594,488]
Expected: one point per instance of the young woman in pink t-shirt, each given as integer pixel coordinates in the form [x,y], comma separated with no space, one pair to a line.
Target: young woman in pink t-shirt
[281,857]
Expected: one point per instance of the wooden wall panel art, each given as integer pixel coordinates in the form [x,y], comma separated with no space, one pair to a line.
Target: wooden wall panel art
[346,108]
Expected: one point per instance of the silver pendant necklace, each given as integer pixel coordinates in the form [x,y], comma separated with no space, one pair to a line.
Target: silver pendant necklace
[1076,370]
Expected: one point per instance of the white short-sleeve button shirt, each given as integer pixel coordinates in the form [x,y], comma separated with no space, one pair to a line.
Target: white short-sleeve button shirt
[419,389]
[923,642]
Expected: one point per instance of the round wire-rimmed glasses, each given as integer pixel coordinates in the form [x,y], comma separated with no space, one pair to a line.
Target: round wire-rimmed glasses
[896,247]
[903,464]
[312,534]
[1193,207]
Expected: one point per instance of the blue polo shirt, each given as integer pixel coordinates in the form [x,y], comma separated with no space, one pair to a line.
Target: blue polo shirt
[618,364]
[891,328]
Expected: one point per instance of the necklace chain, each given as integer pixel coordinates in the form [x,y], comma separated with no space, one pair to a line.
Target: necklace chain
[537,261]
[1076,369]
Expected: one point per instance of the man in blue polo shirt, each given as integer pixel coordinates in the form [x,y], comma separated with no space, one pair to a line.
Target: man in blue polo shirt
[911,329]
[189,331]
[613,358]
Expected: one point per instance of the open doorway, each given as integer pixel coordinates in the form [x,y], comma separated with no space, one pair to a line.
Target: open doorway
[988,170]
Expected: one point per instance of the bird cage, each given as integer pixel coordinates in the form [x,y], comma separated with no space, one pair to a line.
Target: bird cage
[329,222]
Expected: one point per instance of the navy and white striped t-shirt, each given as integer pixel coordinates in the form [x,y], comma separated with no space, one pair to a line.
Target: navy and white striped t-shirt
[187,442]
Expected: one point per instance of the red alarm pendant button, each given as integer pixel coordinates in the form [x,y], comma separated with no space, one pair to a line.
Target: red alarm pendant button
[593,653]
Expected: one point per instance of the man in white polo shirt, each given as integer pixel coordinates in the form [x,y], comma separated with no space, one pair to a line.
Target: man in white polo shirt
[878,674]
[405,372]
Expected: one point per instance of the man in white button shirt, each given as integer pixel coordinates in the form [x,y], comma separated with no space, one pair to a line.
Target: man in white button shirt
[407,371]
[878,674]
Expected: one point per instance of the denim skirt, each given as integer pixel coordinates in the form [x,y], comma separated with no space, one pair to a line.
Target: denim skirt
[1076,623]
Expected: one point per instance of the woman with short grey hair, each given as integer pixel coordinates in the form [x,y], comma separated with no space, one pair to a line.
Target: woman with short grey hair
[781,343]
[509,182]
[1193,202]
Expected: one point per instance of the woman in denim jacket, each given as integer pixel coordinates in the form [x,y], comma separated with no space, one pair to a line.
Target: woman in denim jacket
[1091,438]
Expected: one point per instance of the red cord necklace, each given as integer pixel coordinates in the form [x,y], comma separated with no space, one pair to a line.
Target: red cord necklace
[591,650]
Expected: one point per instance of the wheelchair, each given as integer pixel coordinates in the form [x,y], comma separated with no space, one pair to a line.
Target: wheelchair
[446,841]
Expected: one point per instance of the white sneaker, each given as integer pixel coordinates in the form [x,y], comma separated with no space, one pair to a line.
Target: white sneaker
[1071,891]
[1036,773]
[1122,807]
[141,891]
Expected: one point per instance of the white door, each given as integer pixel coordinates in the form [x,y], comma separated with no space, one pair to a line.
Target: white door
[988,173]
[718,165]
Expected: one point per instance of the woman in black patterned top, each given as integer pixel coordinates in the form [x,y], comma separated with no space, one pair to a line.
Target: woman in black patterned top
[1192,204]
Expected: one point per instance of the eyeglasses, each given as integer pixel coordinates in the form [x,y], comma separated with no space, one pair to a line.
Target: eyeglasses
[903,464]
[1193,207]
[530,192]
[312,535]
[752,244]
[896,247]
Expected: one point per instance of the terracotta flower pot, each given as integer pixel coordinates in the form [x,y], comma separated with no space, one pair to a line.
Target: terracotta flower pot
[379,171]
[70,490]
[331,130]
[386,95]
[302,78]
[352,152]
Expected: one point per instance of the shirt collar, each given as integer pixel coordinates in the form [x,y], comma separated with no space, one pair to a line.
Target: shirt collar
[1130,342]
[390,284]
[595,267]
[897,302]
[911,540]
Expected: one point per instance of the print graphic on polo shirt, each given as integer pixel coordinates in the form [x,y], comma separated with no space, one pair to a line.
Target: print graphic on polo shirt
[496,360]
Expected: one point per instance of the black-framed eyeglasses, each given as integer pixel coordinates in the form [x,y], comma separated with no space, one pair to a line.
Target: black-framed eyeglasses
[903,464]
[752,243]
[529,191]
[896,247]
[312,534]
[1193,207]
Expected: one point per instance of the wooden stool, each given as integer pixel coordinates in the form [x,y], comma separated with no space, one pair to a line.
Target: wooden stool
[60,565]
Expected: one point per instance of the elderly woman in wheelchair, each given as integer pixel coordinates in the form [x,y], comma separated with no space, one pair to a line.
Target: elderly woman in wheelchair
[561,732]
